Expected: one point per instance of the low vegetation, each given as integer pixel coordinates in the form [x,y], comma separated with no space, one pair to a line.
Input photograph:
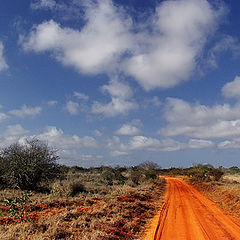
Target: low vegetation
[73,202]
[221,185]
[40,199]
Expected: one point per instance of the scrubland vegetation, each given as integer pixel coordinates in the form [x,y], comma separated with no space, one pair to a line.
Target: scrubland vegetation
[40,199]
[221,185]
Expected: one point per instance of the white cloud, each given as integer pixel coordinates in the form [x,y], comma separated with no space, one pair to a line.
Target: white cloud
[56,137]
[117,153]
[155,101]
[81,96]
[229,145]
[163,54]
[68,146]
[200,143]
[121,100]
[53,136]
[118,90]
[115,107]
[151,102]
[26,111]
[3,116]
[152,144]
[13,134]
[180,31]
[52,103]
[95,48]
[72,107]
[200,121]
[97,133]
[15,130]
[3,64]
[73,158]
[232,89]
[48,4]
[127,129]
[227,43]
[143,143]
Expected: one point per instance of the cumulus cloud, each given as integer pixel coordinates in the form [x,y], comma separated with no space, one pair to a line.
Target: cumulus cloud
[53,136]
[163,54]
[26,111]
[121,100]
[68,146]
[127,129]
[81,96]
[93,49]
[3,64]
[200,121]
[56,137]
[72,107]
[15,130]
[143,143]
[12,134]
[232,89]
[180,30]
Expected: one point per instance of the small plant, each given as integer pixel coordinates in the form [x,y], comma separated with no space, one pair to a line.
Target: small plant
[17,205]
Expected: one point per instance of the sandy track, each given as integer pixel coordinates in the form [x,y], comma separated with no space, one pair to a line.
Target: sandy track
[188,215]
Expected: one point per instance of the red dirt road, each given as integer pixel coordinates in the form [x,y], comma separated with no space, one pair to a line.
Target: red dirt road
[188,215]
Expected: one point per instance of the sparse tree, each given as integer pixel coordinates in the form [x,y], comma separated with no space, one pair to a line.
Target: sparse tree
[27,165]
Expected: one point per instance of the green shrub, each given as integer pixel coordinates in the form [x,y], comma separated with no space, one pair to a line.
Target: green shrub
[17,205]
[204,172]
[27,166]
[216,173]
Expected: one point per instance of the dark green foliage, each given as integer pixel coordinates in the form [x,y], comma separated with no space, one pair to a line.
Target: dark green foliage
[216,173]
[204,172]
[234,170]
[27,166]
[77,188]
[2,170]
[136,174]
[113,174]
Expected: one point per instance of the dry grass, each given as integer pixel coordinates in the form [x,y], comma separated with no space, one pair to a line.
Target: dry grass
[225,193]
[83,206]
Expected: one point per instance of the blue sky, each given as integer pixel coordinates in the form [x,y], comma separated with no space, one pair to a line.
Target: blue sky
[116,82]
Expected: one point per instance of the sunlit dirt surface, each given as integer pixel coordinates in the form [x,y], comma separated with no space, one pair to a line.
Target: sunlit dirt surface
[188,215]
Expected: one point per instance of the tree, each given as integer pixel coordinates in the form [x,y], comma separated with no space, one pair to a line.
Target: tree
[26,166]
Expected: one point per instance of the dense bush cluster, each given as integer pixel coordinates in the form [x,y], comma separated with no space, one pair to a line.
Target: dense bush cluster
[198,173]
[28,166]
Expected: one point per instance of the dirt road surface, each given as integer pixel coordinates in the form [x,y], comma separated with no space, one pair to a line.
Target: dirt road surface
[188,215]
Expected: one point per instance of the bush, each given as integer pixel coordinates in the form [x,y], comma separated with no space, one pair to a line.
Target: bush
[67,188]
[216,173]
[111,175]
[205,172]
[26,166]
